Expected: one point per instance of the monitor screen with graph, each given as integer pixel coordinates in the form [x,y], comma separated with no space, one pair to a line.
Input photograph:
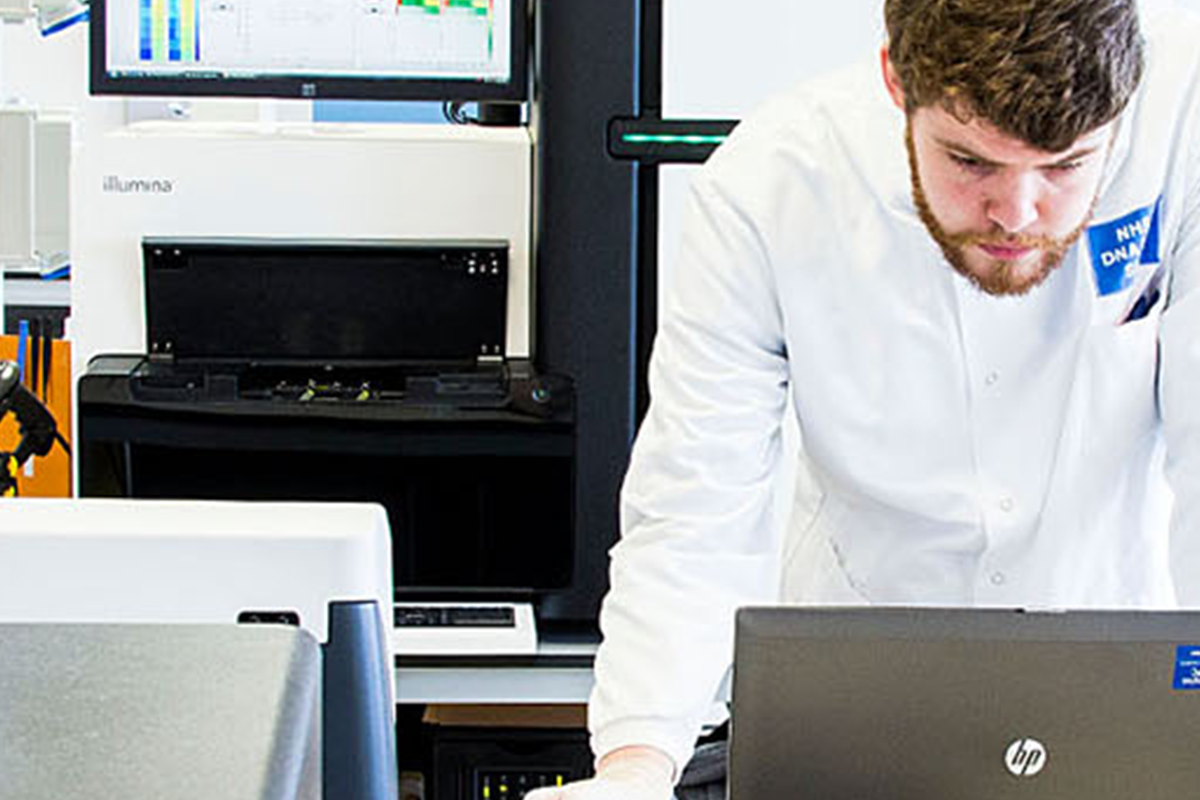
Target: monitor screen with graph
[316,49]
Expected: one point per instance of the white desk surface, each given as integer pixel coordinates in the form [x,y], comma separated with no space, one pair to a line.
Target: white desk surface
[561,672]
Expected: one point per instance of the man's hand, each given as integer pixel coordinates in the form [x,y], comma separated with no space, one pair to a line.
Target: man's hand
[630,773]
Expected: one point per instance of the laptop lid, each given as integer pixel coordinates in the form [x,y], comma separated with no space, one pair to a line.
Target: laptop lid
[937,704]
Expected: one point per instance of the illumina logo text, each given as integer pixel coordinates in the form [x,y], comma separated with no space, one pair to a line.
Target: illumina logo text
[114,184]
[1025,757]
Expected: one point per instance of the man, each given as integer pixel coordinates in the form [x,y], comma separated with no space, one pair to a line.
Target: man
[992,433]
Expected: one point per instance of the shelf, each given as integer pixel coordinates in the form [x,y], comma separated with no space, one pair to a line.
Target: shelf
[561,672]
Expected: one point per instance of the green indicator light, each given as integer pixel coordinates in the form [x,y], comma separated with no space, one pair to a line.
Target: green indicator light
[673,138]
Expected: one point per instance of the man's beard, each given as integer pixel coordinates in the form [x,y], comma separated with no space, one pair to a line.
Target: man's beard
[1001,278]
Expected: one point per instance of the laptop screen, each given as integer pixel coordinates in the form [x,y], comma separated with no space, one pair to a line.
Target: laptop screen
[939,704]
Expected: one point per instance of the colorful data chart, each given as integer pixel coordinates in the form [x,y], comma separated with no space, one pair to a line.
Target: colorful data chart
[169,31]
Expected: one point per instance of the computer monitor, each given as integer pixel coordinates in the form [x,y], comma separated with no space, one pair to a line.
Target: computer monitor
[325,567]
[314,49]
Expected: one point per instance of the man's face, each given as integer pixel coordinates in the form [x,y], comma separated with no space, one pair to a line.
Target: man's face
[1003,212]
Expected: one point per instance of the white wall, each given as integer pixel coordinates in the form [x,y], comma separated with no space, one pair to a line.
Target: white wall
[48,69]
[51,73]
[718,63]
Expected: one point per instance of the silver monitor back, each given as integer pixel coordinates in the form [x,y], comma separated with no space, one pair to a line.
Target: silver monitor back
[159,712]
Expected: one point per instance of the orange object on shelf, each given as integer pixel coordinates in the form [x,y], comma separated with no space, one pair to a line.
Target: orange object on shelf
[49,475]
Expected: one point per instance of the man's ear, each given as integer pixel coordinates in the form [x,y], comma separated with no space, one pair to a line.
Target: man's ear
[890,79]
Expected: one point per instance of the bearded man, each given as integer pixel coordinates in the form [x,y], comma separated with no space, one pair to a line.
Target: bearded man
[971,274]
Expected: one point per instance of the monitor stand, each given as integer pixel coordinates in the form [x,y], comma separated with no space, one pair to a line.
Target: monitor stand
[464,629]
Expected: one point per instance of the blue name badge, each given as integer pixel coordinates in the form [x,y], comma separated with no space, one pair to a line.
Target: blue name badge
[1121,246]
[1187,667]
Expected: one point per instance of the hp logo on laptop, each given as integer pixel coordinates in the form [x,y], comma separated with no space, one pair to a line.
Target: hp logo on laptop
[1025,757]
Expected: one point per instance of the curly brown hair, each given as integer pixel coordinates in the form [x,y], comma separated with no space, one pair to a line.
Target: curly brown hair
[1044,71]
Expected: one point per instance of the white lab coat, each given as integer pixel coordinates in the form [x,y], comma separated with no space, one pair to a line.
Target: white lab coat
[956,448]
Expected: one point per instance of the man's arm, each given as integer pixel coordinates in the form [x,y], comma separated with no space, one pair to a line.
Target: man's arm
[699,535]
[698,507]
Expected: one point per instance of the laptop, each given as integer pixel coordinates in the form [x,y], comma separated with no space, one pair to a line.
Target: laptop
[965,704]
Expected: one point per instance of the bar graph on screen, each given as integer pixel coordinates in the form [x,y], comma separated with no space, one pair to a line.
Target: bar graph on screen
[168,31]
[456,29]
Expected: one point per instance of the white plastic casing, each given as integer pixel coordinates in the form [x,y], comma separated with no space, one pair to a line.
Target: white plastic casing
[307,181]
[177,561]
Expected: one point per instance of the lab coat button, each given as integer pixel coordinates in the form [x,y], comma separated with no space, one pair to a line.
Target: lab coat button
[1007,504]
[998,578]
[992,378]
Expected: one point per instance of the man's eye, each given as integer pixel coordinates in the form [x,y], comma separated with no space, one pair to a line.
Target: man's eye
[1066,167]
[970,164]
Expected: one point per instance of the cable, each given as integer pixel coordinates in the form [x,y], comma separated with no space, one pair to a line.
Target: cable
[60,19]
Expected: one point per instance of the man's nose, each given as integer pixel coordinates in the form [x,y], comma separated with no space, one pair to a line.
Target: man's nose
[1013,204]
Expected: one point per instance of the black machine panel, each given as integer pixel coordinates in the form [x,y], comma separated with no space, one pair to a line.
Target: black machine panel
[346,371]
[495,519]
[338,301]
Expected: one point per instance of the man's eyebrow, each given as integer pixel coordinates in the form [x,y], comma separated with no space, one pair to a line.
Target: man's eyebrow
[963,150]
[1076,155]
